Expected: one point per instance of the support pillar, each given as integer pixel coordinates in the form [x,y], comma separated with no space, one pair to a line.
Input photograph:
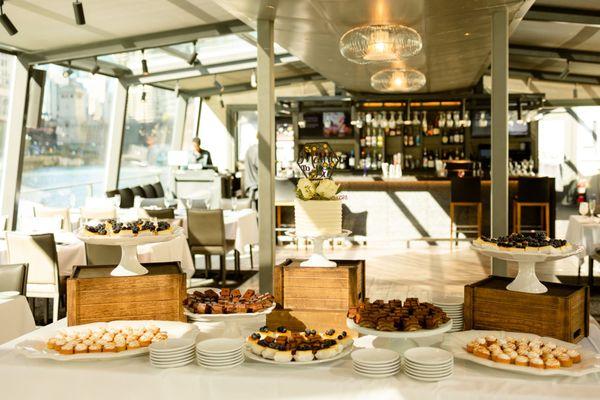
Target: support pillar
[499,164]
[266,153]
[179,123]
[115,137]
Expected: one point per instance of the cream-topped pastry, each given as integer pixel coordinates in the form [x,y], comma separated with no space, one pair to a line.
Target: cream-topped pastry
[304,355]
[283,356]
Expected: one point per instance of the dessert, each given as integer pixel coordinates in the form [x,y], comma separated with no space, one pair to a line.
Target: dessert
[100,340]
[526,242]
[140,227]
[397,316]
[227,302]
[522,352]
[286,346]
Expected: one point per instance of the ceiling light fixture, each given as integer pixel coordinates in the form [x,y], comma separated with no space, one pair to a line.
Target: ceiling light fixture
[143,94]
[96,67]
[6,22]
[144,64]
[398,80]
[67,72]
[192,59]
[253,82]
[379,43]
[78,11]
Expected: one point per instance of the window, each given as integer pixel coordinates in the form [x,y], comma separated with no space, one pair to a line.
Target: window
[147,137]
[6,77]
[65,149]
[191,120]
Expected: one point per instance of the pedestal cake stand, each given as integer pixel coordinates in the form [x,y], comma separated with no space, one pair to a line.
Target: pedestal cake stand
[129,264]
[526,281]
[398,341]
[317,258]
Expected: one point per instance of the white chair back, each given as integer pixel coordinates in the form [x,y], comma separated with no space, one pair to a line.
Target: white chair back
[50,224]
[39,251]
[46,212]
[99,202]
[98,213]
[228,204]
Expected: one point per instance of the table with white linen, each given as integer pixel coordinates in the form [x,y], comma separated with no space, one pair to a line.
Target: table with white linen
[134,378]
[585,231]
[70,251]
[16,318]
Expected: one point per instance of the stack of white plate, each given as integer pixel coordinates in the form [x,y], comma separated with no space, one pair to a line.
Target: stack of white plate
[453,307]
[172,353]
[220,353]
[376,363]
[428,364]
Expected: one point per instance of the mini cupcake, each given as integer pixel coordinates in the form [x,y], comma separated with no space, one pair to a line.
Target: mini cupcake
[490,339]
[552,363]
[95,348]
[502,358]
[482,352]
[145,340]
[565,360]
[121,346]
[50,343]
[522,361]
[575,356]
[80,348]
[109,347]
[68,348]
[536,363]
[471,346]
[133,345]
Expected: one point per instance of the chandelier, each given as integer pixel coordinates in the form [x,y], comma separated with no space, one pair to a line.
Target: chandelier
[379,43]
[398,80]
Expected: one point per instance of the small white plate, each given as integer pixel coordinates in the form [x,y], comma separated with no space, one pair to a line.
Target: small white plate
[375,356]
[376,367]
[171,345]
[377,371]
[220,364]
[216,367]
[9,294]
[448,301]
[376,375]
[427,378]
[174,354]
[171,358]
[172,361]
[428,368]
[428,356]
[234,356]
[176,365]
[220,346]
[419,371]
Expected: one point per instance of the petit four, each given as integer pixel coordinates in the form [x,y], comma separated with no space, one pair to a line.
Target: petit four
[140,227]
[227,302]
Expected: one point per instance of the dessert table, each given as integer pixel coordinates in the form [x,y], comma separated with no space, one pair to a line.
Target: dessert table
[16,318]
[585,231]
[26,379]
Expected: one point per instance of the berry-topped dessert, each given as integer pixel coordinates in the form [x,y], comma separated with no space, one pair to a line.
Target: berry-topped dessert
[140,227]
[530,242]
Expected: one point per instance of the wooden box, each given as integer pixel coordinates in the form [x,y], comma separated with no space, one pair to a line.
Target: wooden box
[93,295]
[316,298]
[561,313]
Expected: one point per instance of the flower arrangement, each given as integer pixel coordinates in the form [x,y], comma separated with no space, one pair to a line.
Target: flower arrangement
[324,189]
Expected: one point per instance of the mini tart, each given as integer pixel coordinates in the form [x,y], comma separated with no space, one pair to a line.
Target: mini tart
[50,343]
[575,356]
[481,352]
[145,340]
[109,348]
[490,340]
[95,348]
[120,346]
[502,358]
[481,341]
[133,345]
[565,360]
[552,363]
[536,363]
[66,349]
[80,348]
[522,361]
[471,346]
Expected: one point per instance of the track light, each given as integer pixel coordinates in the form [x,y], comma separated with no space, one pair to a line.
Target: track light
[6,22]
[176,88]
[219,86]
[79,15]
[96,67]
[144,64]
[192,59]
[221,102]
[143,94]
[253,79]
[67,72]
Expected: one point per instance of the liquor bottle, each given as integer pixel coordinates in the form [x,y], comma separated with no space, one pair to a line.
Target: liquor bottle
[411,141]
[363,139]
[380,138]
[430,162]
[456,136]
[405,139]
[351,160]
[444,137]
[368,161]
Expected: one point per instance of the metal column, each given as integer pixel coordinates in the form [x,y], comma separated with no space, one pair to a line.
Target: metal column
[115,137]
[499,165]
[179,123]
[266,153]
[14,142]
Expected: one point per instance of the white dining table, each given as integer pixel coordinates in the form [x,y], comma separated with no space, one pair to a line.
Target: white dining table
[585,231]
[16,318]
[135,378]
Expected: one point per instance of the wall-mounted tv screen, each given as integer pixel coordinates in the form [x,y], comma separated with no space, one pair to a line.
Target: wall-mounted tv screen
[330,124]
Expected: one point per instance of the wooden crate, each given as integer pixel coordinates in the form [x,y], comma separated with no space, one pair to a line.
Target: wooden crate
[93,295]
[316,298]
[561,313]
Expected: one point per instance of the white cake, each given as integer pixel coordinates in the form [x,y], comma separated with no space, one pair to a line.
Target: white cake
[318,217]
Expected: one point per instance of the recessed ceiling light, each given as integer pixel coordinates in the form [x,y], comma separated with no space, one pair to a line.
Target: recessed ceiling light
[467,34]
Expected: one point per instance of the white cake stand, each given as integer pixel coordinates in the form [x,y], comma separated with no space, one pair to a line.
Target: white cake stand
[398,341]
[129,264]
[317,258]
[526,281]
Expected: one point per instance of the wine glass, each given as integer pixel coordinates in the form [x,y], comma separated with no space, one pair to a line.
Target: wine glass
[117,200]
[584,208]
[234,203]
[189,203]
[592,204]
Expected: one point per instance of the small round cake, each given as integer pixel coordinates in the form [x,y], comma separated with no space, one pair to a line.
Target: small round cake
[318,217]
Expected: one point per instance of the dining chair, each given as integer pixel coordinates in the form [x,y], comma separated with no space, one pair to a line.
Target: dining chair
[138,191]
[40,211]
[227,204]
[149,191]
[127,197]
[206,236]
[465,192]
[532,192]
[13,277]
[163,213]
[98,213]
[158,188]
[101,254]
[51,224]
[39,251]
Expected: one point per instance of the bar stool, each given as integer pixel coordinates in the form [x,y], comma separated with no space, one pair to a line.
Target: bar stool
[532,192]
[465,192]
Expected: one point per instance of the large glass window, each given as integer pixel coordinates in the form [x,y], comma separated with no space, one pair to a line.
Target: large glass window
[6,77]
[148,135]
[65,149]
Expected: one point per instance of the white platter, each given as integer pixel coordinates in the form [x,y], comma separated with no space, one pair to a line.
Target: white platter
[222,317]
[36,347]
[457,342]
[341,355]
[10,294]
[421,333]
[117,240]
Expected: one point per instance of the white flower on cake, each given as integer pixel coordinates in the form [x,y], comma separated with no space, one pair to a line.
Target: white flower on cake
[327,189]
[306,189]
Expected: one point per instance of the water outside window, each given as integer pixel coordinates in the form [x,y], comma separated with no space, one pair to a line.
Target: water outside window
[6,74]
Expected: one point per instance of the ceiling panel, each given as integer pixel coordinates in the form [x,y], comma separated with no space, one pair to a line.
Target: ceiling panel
[554,34]
[450,59]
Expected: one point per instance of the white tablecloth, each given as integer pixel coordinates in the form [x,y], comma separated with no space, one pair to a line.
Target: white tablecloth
[71,252]
[584,231]
[16,318]
[135,378]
